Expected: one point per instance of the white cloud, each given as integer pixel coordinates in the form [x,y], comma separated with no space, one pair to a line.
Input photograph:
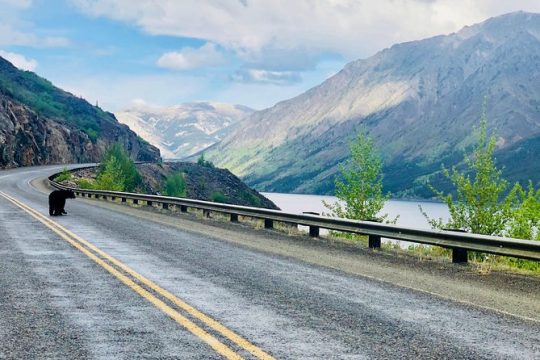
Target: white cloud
[351,28]
[115,92]
[265,76]
[192,58]
[9,36]
[21,4]
[19,60]
[15,31]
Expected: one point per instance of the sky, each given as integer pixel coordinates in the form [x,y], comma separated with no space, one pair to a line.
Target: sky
[121,53]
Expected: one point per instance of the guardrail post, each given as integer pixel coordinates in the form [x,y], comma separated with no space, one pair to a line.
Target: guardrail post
[459,256]
[234,217]
[314,231]
[374,241]
[165,206]
[183,208]
[124,199]
[148,203]
[268,223]
[113,198]
[135,201]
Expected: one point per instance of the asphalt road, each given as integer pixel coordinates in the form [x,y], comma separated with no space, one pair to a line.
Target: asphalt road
[101,284]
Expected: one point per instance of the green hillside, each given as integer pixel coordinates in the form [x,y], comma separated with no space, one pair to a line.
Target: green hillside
[49,101]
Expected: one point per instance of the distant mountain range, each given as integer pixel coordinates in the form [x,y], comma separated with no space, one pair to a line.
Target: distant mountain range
[42,124]
[183,130]
[419,101]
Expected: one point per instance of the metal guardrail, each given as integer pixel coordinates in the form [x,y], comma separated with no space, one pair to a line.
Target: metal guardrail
[459,242]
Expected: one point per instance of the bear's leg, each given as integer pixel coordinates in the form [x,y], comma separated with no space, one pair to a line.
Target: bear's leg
[51,204]
[61,205]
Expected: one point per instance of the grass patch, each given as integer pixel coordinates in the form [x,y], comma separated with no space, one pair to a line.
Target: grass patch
[63,176]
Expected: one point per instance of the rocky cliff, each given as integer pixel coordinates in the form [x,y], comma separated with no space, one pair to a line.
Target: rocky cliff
[41,124]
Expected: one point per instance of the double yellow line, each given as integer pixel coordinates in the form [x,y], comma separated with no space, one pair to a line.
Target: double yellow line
[144,287]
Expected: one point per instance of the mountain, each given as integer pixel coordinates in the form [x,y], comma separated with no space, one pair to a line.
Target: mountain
[42,124]
[183,130]
[418,100]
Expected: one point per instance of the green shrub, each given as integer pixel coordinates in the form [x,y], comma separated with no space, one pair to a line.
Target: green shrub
[92,134]
[219,197]
[525,223]
[175,185]
[63,176]
[85,184]
[250,198]
[201,161]
[117,172]
[112,177]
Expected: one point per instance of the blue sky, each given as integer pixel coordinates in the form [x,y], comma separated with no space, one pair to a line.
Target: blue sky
[254,53]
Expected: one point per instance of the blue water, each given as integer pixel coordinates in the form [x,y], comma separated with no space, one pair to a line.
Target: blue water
[408,211]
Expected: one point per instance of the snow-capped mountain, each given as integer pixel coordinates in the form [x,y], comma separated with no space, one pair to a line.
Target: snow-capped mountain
[183,130]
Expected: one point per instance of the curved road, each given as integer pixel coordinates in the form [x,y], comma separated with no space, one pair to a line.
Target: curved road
[103,284]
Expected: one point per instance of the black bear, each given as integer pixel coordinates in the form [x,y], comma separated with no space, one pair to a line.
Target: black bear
[57,201]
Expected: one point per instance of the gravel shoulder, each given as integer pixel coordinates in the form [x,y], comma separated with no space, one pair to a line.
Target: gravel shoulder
[510,294]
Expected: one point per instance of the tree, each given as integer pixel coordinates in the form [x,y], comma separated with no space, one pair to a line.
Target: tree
[175,185]
[111,178]
[480,206]
[201,161]
[359,184]
[117,171]
[525,223]
[127,171]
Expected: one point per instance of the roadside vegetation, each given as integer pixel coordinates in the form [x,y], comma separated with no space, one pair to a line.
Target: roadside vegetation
[65,175]
[117,172]
[203,162]
[485,204]
[359,184]
[175,185]
[480,201]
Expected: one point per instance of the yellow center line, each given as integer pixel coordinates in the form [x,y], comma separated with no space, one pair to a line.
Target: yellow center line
[221,348]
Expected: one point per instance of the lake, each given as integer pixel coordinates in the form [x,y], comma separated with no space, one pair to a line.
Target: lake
[408,211]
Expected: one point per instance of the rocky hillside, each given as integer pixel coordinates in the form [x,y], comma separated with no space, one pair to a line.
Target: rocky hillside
[202,183]
[42,124]
[418,100]
[182,130]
